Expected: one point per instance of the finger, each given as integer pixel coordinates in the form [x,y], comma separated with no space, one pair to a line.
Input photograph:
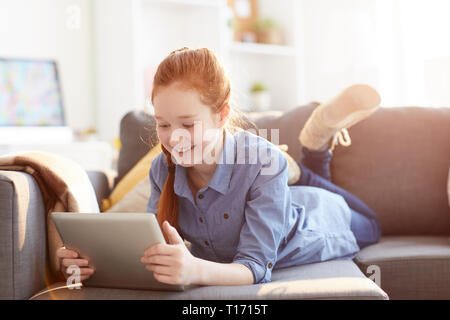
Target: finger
[157,259]
[86,271]
[160,249]
[159,269]
[66,253]
[164,278]
[75,262]
[172,234]
[82,271]
[85,277]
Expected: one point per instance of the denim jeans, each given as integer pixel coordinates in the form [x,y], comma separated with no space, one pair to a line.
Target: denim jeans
[315,171]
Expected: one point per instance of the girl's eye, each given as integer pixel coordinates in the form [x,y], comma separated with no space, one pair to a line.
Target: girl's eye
[188,125]
[163,125]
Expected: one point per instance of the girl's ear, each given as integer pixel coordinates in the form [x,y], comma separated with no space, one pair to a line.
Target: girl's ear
[224,114]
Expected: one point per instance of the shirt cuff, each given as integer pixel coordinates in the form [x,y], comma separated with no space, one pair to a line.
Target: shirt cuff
[261,274]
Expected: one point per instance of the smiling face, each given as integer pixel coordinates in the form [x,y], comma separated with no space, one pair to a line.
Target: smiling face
[187,128]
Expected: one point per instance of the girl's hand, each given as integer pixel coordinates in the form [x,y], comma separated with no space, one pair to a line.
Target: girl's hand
[171,263]
[69,258]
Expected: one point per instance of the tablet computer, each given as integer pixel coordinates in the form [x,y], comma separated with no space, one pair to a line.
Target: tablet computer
[114,244]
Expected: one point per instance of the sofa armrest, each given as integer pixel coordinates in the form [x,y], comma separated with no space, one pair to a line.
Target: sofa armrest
[23,249]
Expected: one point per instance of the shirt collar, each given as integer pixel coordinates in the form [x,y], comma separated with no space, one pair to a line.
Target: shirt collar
[222,175]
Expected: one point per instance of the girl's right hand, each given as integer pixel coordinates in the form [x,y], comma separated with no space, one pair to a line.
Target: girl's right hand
[69,258]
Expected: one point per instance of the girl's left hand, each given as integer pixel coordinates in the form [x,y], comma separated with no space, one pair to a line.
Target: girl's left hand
[171,263]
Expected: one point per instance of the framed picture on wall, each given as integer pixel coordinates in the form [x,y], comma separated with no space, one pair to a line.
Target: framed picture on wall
[30,93]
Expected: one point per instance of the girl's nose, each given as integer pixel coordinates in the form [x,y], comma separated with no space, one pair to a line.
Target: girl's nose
[180,139]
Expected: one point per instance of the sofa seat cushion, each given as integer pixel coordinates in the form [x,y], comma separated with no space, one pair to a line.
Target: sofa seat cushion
[336,279]
[410,267]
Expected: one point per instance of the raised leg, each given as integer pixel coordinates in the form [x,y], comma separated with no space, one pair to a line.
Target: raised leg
[350,106]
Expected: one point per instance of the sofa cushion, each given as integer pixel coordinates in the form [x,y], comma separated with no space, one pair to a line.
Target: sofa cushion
[133,177]
[137,138]
[448,187]
[289,124]
[102,183]
[23,253]
[336,279]
[397,164]
[410,267]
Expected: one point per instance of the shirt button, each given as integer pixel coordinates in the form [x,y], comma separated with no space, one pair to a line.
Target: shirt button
[270,265]
[201,220]
[200,196]
[226,216]
[207,243]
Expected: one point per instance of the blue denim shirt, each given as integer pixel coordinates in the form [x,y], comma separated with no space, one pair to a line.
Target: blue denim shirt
[248,214]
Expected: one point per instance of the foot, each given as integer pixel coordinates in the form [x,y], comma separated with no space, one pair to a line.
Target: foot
[352,105]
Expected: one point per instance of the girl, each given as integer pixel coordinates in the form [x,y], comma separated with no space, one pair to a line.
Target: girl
[226,190]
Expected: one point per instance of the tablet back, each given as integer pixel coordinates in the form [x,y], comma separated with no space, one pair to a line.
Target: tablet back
[114,244]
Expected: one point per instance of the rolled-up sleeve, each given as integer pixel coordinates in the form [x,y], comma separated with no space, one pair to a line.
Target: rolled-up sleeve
[266,211]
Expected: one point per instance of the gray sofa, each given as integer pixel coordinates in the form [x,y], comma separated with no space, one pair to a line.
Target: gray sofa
[398,164]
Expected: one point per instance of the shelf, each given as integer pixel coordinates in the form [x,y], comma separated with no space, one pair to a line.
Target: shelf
[198,3]
[262,49]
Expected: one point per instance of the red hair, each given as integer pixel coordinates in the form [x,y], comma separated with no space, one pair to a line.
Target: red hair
[197,69]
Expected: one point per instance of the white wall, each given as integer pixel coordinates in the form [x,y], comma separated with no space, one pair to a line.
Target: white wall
[339,46]
[46,29]
[400,47]
[424,30]
[115,59]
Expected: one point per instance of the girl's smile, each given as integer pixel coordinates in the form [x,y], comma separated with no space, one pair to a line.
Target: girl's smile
[185,152]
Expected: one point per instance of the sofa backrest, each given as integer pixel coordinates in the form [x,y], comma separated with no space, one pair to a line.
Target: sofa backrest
[398,164]
[137,137]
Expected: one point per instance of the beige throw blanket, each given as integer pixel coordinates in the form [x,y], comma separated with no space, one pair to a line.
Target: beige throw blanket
[65,186]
